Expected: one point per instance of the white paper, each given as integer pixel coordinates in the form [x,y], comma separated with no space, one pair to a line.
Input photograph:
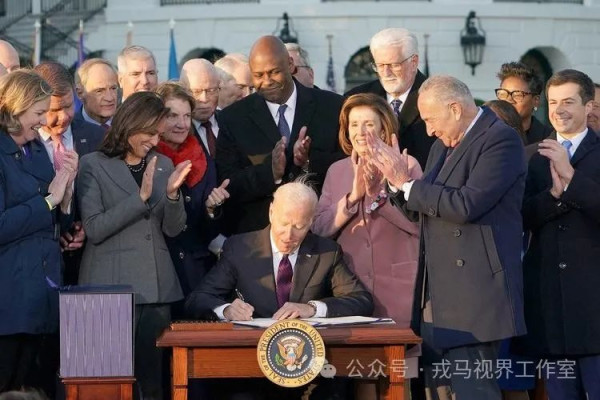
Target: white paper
[319,322]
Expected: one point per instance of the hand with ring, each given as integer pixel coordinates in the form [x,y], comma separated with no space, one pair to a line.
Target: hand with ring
[217,197]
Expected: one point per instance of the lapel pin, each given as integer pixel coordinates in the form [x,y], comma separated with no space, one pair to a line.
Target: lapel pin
[159,169]
[309,255]
[83,140]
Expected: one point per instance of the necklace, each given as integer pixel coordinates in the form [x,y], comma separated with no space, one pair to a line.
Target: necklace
[137,167]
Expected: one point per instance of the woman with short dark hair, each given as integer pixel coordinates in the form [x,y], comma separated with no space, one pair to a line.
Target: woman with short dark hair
[129,198]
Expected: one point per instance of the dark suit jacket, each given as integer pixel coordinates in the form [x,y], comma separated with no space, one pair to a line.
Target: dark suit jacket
[412,133]
[247,265]
[29,249]
[537,132]
[561,278]
[247,136]
[471,230]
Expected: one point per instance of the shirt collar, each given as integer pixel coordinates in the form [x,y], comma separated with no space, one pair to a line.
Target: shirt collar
[45,136]
[575,140]
[290,102]
[87,118]
[402,97]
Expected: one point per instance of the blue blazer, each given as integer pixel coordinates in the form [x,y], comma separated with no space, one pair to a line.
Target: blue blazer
[29,248]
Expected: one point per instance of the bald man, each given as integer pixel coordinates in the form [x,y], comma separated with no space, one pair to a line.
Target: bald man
[202,79]
[270,137]
[9,57]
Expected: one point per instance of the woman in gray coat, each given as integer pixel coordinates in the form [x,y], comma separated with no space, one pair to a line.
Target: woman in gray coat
[129,197]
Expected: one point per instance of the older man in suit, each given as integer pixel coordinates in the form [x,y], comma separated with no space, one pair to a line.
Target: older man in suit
[96,85]
[137,70]
[274,135]
[561,209]
[282,271]
[469,286]
[396,55]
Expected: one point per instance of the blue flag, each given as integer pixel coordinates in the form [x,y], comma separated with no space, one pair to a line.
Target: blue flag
[173,67]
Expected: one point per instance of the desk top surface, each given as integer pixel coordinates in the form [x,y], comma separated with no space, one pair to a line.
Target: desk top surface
[239,336]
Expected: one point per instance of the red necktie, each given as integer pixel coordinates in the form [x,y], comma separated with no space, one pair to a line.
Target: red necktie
[211,140]
[284,281]
[59,151]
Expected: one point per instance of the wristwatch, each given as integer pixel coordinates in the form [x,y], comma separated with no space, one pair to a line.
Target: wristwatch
[314,306]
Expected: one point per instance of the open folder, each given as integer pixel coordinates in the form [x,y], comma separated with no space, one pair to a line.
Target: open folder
[319,322]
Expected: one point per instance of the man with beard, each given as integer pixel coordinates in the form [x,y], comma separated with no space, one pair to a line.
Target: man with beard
[274,135]
[396,59]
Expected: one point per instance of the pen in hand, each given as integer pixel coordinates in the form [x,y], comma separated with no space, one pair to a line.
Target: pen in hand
[241,297]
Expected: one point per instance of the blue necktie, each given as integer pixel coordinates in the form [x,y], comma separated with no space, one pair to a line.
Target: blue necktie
[283,126]
[396,106]
[567,145]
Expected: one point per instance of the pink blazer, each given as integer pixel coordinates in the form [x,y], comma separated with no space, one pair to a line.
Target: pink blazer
[381,248]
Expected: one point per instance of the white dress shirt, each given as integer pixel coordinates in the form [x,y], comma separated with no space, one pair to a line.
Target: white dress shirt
[402,98]
[214,126]
[277,256]
[290,111]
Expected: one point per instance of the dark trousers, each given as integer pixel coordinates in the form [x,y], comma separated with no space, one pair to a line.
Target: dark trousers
[17,360]
[573,379]
[150,321]
[469,372]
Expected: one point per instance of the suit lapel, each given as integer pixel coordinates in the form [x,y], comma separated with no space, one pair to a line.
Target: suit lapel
[410,112]
[38,164]
[305,109]
[264,269]
[117,171]
[80,140]
[589,142]
[263,119]
[483,123]
[305,266]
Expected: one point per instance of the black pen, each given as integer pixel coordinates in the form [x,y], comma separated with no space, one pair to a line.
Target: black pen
[239,296]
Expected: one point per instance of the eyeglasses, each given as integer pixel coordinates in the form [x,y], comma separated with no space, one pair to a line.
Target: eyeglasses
[243,87]
[209,91]
[516,95]
[395,67]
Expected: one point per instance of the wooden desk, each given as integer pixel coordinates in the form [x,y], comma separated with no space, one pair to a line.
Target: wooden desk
[211,354]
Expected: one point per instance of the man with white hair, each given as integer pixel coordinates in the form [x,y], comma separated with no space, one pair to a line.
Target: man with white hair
[202,79]
[262,265]
[96,84]
[396,59]
[236,80]
[9,57]
[304,72]
[469,290]
[137,70]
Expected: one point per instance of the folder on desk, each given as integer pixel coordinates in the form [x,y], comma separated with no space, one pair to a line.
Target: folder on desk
[319,322]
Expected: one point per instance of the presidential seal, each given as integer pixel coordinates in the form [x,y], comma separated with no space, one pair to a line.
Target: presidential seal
[291,353]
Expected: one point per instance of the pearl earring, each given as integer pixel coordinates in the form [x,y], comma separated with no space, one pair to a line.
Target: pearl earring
[534,108]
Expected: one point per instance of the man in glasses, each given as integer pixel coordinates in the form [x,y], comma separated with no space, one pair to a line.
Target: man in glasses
[521,87]
[396,59]
[304,72]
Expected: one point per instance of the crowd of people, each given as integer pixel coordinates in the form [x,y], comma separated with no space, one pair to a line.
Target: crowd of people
[242,190]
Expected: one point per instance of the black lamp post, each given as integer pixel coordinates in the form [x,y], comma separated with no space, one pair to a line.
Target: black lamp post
[285,34]
[472,41]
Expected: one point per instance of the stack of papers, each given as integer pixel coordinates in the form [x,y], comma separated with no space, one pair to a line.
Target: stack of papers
[319,322]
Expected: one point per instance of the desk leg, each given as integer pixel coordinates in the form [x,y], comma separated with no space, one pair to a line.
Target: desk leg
[393,387]
[180,373]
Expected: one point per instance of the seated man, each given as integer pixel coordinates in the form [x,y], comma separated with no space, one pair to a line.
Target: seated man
[259,266]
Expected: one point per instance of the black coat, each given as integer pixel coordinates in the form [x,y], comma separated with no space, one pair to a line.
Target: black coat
[412,133]
[537,132]
[247,136]
[561,276]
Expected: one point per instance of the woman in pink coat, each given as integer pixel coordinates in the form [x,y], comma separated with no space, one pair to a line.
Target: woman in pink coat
[380,244]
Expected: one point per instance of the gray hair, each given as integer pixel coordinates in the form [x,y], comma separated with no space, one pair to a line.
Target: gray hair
[447,89]
[81,75]
[197,66]
[132,52]
[225,67]
[297,192]
[303,54]
[395,37]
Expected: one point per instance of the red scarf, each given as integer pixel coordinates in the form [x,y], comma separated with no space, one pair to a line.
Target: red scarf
[191,150]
